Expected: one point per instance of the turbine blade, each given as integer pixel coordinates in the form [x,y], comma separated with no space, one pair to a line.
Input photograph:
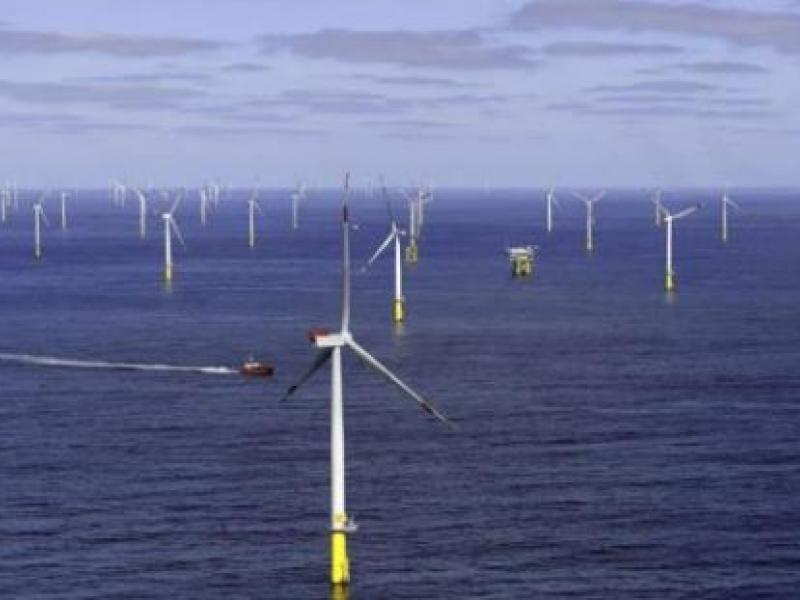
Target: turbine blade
[580,196]
[346,253]
[382,247]
[686,212]
[322,357]
[44,216]
[599,196]
[177,231]
[392,378]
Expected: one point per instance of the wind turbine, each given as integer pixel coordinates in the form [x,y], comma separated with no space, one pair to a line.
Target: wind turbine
[5,197]
[331,346]
[298,196]
[64,211]
[38,216]
[203,206]
[142,213]
[398,308]
[726,201]
[590,220]
[170,225]
[253,206]
[669,278]
[659,207]
[551,200]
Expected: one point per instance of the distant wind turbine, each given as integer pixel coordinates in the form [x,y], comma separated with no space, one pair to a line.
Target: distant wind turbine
[551,201]
[590,218]
[298,196]
[253,206]
[398,307]
[142,213]
[669,278]
[38,217]
[726,202]
[658,207]
[170,225]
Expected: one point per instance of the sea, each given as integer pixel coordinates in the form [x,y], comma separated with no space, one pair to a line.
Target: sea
[612,441]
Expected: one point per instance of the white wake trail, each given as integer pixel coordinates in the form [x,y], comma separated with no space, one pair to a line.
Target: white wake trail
[50,361]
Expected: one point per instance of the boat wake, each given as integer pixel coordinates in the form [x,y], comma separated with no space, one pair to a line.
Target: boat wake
[49,361]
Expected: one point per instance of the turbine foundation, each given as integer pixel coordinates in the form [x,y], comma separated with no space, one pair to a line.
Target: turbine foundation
[412,253]
[340,564]
[399,310]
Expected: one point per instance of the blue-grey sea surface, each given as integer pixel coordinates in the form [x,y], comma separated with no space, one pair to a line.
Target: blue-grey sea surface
[612,441]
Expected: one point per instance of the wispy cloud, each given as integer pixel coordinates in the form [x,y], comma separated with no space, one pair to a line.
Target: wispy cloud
[146,78]
[603,49]
[448,49]
[722,67]
[664,86]
[14,41]
[117,95]
[245,67]
[64,123]
[216,132]
[777,29]
[414,81]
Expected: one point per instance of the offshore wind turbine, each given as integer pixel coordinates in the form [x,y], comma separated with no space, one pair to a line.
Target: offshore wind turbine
[551,200]
[170,225]
[38,217]
[252,207]
[142,212]
[726,202]
[590,219]
[63,211]
[669,277]
[203,206]
[298,196]
[399,304]
[331,346]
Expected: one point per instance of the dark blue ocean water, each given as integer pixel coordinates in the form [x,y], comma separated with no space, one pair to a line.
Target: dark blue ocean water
[614,442]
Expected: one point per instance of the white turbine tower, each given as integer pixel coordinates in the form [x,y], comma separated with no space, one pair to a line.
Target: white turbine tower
[659,207]
[669,277]
[398,307]
[551,201]
[4,201]
[38,217]
[726,202]
[142,213]
[170,225]
[298,196]
[252,207]
[331,346]
[590,219]
[64,211]
[203,206]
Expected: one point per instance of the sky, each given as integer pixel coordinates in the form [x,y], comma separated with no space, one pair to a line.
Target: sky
[630,93]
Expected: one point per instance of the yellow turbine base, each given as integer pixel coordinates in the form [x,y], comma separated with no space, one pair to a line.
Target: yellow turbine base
[168,273]
[340,565]
[669,282]
[399,311]
[412,253]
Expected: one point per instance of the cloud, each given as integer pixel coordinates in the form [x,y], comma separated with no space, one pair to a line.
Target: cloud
[601,49]
[146,78]
[777,29]
[711,68]
[409,124]
[245,67]
[658,110]
[125,46]
[448,49]
[63,123]
[664,86]
[216,132]
[331,101]
[415,81]
[127,96]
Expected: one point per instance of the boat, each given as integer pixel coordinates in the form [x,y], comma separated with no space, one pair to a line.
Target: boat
[255,368]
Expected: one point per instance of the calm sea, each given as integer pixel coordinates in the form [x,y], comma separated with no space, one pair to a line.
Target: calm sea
[614,442]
